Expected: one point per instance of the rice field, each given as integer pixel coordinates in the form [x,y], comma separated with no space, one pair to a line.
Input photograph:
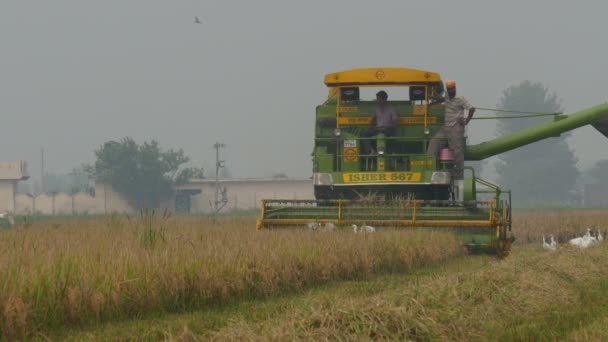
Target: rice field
[72,273]
[530,226]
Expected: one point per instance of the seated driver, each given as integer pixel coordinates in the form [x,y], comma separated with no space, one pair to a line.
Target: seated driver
[384,120]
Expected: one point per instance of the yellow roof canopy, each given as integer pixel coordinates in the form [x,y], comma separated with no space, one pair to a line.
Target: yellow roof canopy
[381,76]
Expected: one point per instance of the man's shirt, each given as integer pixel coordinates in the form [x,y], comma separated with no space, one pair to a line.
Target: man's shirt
[454,110]
[385,117]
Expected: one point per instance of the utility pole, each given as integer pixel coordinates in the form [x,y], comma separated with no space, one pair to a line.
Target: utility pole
[42,170]
[221,196]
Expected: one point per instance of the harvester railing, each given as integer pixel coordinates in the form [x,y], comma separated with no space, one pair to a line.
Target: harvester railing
[497,191]
[404,213]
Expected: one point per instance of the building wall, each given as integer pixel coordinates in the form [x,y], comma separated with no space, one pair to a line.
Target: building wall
[44,204]
[10,174]
[24,204]
[248,193]
[7,199]
[110,201]
[241,194]
[63,204]
[105,200]
[86,204]
[16,170]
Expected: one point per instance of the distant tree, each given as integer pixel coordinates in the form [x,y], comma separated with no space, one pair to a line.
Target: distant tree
[144,174]
[186,174]
[598,173]
[542,172]
[279,175]
[78,180]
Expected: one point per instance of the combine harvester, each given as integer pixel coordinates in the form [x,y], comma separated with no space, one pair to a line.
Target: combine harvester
[402,186]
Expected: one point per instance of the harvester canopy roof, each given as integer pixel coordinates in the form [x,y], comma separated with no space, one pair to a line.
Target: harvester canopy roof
[381,76]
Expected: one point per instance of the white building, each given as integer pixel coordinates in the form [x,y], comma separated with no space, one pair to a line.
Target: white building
[242,193]
[10,174]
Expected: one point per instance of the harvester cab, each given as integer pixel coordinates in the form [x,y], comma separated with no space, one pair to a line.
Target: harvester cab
[397,163]
[397,183]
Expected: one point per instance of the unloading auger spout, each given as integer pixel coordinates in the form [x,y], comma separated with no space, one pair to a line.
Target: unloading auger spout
[595,116]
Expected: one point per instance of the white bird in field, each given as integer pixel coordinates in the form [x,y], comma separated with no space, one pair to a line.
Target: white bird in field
[329,227]
[8,217]
[552,245]
[578,242]
[590,238]
[583,241]
[363,229]
[600,237]
[313,225]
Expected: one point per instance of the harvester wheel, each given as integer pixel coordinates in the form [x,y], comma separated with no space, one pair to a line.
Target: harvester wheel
[503,248]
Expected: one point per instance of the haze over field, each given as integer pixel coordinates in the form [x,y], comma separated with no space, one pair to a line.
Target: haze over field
[76,74]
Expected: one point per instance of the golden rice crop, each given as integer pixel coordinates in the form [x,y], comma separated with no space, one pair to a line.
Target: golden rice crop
[530,226]
[84,271]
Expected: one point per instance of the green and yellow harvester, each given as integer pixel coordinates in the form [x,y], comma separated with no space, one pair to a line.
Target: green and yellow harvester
[401,185]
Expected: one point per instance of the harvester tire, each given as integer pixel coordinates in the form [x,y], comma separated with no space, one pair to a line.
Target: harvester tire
[503,248]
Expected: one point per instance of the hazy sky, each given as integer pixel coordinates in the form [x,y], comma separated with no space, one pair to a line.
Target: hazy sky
[77,73]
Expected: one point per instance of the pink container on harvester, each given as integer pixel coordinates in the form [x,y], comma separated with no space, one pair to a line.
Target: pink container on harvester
[446,154]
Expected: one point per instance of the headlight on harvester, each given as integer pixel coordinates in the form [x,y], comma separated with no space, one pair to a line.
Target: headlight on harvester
[337,132]
[441,177]
[380,150]
[321,178]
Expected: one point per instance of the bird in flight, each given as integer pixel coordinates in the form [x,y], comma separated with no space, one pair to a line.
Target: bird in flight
[197,20]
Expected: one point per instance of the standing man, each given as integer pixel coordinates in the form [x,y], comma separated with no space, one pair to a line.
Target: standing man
[384,120]
[453,130]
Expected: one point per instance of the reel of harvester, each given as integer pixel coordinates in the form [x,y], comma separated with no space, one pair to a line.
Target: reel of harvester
[482,226]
